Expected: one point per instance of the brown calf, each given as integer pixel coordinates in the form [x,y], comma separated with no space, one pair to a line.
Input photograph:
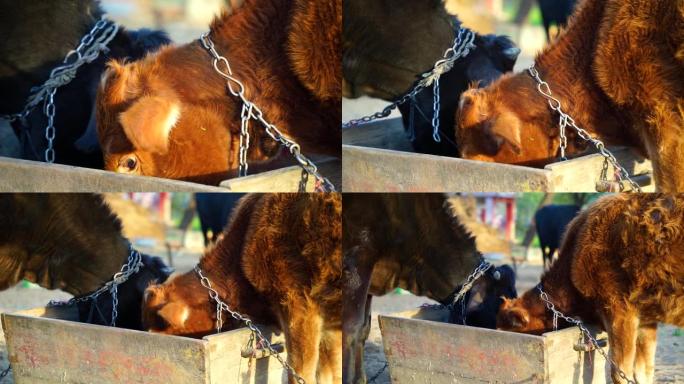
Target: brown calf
[617,70]
[279,262]
[620,266]
[171,114]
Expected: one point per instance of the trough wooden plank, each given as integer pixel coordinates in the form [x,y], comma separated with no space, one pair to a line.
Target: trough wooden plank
[285,179]
[582,173]
[379,170]
[565,365]
[33,176]
[43,351]
[384,134]
[421,351]
[227,366]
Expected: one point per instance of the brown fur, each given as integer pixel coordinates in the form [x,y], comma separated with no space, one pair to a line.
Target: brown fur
[618,72]
[393,240]
[279,261]
[621,266]
[66,241]
[289,73]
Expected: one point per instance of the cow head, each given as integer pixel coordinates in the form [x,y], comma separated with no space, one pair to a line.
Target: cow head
[150,122]
[526,314]
[507,122]
[181,306]
[130,296]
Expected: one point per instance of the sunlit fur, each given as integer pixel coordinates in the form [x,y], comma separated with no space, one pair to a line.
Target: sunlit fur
[618,72]
[278,262]
[621,265]
[289,72]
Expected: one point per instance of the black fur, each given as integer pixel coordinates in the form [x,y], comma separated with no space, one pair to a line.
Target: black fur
[36,36]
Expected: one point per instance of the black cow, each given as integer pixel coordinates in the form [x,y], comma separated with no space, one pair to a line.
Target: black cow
[36,36]
[493,56]
[555,12]
[481,307]
[130,296]
[214,210]
[551,221]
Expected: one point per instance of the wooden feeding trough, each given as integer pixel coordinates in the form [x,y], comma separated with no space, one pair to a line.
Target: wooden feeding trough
[35,176]
[377,157]
[422,348]
[47,346]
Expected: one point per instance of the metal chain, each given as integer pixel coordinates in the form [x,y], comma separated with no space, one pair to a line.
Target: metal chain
[5,372]
[465,287]
[566,120]
[132,266]
[89,49]
[222,306]
[251,111]
[378,373]
[559,315]
[463,43]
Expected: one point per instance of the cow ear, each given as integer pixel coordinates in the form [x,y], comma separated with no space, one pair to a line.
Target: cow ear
[175,314]
[505,129]
[516,318]
[149,121]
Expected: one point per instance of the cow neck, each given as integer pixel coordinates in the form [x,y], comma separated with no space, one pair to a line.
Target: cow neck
[76,249]
[449,251]
[223,266]
[253,33]
[567,66]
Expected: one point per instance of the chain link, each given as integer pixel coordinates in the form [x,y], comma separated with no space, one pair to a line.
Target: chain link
[222,306]
[132,266]
[585,332]
[465,287]
[566,120]
[251,112]
[88,49]
[5,372]
[463,43]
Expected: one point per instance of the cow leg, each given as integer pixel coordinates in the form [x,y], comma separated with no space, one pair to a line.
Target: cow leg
[302,330]
[623,328]
[354,315]
[330,357]
[644,365]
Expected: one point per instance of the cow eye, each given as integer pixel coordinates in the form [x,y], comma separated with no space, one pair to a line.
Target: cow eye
[128,164]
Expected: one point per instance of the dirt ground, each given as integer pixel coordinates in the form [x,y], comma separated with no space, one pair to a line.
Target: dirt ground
[24,297]
[669,354]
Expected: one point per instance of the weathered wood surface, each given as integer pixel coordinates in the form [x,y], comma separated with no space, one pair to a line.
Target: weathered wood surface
[285,179]
[427,351]
[43,349]
[18,175]
[377,157]
[380,170]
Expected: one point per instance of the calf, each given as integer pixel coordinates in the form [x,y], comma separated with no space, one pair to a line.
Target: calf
[550,222]
[37,35]
[411,241]
[389,44]
[172,114]
[278,262]
[615,70]
[620,266]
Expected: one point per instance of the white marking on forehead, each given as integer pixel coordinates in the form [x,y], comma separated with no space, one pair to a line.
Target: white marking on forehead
[171,119]
[184,315]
